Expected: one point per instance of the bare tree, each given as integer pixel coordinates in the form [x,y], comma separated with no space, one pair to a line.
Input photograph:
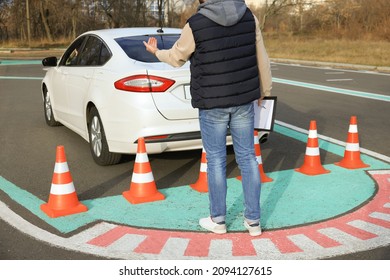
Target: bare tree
[74,7]
[28,23]
[45,14]
[273,7]
[34,20]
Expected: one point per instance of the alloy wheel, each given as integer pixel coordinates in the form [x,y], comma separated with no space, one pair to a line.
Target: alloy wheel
[48,107]
[96,136]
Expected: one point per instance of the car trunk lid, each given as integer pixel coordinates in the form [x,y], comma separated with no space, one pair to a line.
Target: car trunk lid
[175,103]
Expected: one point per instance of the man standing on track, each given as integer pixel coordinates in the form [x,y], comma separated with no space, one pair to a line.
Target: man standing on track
[230,69]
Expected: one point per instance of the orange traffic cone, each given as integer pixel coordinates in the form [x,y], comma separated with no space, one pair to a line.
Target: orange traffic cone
[351,158]
[263,176]
[142,188]
[63,199]
[312,162]
[201,184]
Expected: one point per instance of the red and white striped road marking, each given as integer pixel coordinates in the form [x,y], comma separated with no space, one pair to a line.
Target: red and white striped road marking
[366,228]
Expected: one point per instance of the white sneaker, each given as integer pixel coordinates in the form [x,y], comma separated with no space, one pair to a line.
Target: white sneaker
[210,225]
[254,230]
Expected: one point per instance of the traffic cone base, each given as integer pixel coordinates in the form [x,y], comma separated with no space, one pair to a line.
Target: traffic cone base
[265,178]
[54,213]
[201,184]
[312,166]
[133,199]
[63,199]
[143,187]
[352,160]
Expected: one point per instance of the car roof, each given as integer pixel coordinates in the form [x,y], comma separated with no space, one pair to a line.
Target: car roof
[133,31]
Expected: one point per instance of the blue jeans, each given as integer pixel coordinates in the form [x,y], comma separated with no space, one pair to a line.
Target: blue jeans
[214,124]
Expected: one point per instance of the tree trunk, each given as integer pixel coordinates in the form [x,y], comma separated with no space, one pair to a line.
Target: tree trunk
[45,21]
[28,23]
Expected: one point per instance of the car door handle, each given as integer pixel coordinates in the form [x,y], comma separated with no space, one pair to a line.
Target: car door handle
[87,76]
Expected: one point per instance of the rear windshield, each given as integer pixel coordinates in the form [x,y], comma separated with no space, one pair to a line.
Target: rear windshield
[135,49]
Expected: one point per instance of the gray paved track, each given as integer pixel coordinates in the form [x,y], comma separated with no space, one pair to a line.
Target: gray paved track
[28,150]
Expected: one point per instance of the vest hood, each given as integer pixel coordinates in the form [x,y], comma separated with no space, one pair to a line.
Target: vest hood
[223,12]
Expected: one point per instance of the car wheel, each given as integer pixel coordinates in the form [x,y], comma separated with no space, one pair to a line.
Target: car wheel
[48,111]
[97,141]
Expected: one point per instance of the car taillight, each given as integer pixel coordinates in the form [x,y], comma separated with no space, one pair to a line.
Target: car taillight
[144,83]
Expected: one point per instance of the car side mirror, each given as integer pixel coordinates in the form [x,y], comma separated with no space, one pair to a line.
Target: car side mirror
[49,61]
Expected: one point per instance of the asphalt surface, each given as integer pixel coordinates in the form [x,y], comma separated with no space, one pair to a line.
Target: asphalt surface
[28,147]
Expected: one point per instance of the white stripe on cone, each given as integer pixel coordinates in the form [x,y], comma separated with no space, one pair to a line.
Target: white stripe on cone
[61,167]
[352,147]
[141,157]
[61,189]
[353,128]
[203,167]
[312,151]
[312,133]
[142,178]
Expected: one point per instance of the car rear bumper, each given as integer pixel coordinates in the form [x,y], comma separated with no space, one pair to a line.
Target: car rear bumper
[156,146]
[174,142]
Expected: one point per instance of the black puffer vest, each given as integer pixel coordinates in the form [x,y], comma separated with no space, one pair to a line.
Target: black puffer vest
[224,71]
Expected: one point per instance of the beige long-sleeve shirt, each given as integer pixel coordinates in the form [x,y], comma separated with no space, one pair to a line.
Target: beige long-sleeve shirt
[182,50]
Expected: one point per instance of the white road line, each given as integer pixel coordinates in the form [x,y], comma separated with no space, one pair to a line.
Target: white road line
[366,226]
[19,78]
[266,249]
[338,80]
[334,73]
[174,248]
[220,248]
[305,243]
[126,243]
[96,230]
[371,72]
[318,87]
[340,236]
[381,216]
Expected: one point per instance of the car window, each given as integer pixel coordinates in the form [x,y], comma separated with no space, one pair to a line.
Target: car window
[71,55]
[135,49]
[86,51]
[105,55]
[90,54]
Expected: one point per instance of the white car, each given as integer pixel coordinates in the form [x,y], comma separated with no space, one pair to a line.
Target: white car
[108,89]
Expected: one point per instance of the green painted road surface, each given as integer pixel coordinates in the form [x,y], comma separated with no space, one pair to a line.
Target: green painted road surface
[20,62]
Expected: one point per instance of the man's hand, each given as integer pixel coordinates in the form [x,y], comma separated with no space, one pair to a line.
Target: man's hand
[259,101]
[151,45]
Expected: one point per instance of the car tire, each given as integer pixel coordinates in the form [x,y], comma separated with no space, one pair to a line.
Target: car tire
[98,142]
[48,110]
